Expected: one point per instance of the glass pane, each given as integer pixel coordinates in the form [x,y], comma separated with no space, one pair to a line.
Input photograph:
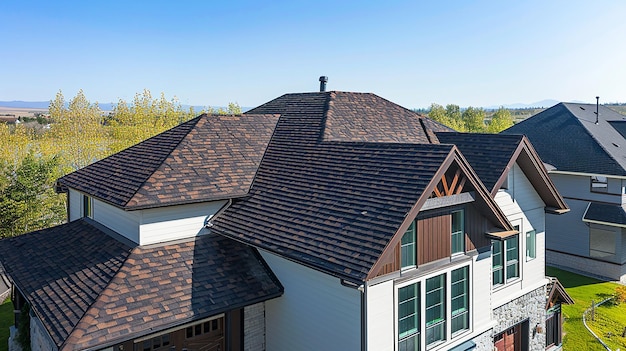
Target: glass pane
[531,244]
[165,339]
[407,249]
[411,343]
[436,333]
[408,310]
[458,236]
[198,329]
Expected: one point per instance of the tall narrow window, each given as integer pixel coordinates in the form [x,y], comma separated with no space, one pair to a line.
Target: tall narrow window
[531,245]
[87,207]
[408,318]
[512,257]
[407,248]
[459,299]
[435,310]
[497,259]
[458,230]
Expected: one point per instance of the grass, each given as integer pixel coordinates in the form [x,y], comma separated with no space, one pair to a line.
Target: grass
[610,318]
[6,321]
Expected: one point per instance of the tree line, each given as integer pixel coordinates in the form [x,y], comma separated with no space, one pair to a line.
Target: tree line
[80,133]
[471,119]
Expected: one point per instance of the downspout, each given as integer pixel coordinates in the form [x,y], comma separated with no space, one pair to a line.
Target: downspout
[363,319]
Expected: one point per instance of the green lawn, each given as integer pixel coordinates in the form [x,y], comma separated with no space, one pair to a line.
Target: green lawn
[6,320]
[610,319]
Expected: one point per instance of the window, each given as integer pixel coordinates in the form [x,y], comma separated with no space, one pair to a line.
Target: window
[435,310]
[531,245]
[458,230]
[512,257]
[602,243]
[87,207]
[505,259]
[161,342]
[459,299]
[497,262]
[408,318]
[599,184]
[213,326]
[407,247]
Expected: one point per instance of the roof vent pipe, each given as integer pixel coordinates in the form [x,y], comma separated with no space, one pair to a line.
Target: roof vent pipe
[597,108]
[323,80]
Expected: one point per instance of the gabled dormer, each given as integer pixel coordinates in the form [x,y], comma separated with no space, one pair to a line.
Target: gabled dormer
[453,217]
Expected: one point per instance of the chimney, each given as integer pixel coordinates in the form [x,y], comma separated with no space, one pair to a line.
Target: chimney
[597,108]
[323,80]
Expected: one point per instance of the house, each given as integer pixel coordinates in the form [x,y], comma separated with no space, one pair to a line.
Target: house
[316,221]
[584,148]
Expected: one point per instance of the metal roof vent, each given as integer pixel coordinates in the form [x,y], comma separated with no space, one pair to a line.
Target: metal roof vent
[323,80]
[597,108]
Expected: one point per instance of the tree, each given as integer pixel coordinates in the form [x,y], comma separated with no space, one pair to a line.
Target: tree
[27,198]
[474,120]
[450,116]
[500,121]
[78,130]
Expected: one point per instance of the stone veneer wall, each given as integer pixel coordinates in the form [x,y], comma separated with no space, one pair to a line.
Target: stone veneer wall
[530,306]
[39,338]
[254,327]
[484,341]
[586,266]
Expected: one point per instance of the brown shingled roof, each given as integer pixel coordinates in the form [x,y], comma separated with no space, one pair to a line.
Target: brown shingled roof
[207,158]
[91,291]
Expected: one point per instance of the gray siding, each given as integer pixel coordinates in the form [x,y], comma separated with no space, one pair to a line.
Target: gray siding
[567,232]
[316,312]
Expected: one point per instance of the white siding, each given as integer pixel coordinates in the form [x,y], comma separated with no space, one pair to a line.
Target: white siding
[175,222]
[380,316]
[125,223]
[523,207]
[316,312]
[480,294]
[75,205]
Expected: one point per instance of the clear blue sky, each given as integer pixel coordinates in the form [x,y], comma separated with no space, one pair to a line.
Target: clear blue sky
[470,53]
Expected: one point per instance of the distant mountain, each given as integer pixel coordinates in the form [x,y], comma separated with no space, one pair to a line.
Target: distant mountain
[542,103]
[25,104]
[103,106]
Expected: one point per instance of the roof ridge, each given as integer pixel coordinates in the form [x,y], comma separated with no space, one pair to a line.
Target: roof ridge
[188,123]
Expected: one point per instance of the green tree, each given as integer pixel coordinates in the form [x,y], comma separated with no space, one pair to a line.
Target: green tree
[500,121]
[78,130]
[27,198]
[474,120]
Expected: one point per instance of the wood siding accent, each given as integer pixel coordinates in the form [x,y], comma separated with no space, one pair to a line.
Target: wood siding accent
[433,238]
[393,264]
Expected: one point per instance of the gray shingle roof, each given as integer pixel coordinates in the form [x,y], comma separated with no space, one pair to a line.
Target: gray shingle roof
[91,290]
[567,137]
[207,158]
[489,154]
[605,213]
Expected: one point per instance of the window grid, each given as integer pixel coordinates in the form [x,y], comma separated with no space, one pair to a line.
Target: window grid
[435,310]
[458,229]
[408,317]
[498,263]
[460,299]
[512,257]
[407,247]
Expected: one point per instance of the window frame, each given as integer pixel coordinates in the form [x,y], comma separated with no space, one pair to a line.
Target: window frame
[87,205]
[599,184]
[460,232]
[531,243]
[505,263]
[463,312]
[414,334]
[409,246]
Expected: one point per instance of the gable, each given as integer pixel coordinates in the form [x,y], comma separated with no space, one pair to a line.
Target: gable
[454,186]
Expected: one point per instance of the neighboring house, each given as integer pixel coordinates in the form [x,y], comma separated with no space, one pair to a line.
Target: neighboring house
[317,221]
[585,154]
